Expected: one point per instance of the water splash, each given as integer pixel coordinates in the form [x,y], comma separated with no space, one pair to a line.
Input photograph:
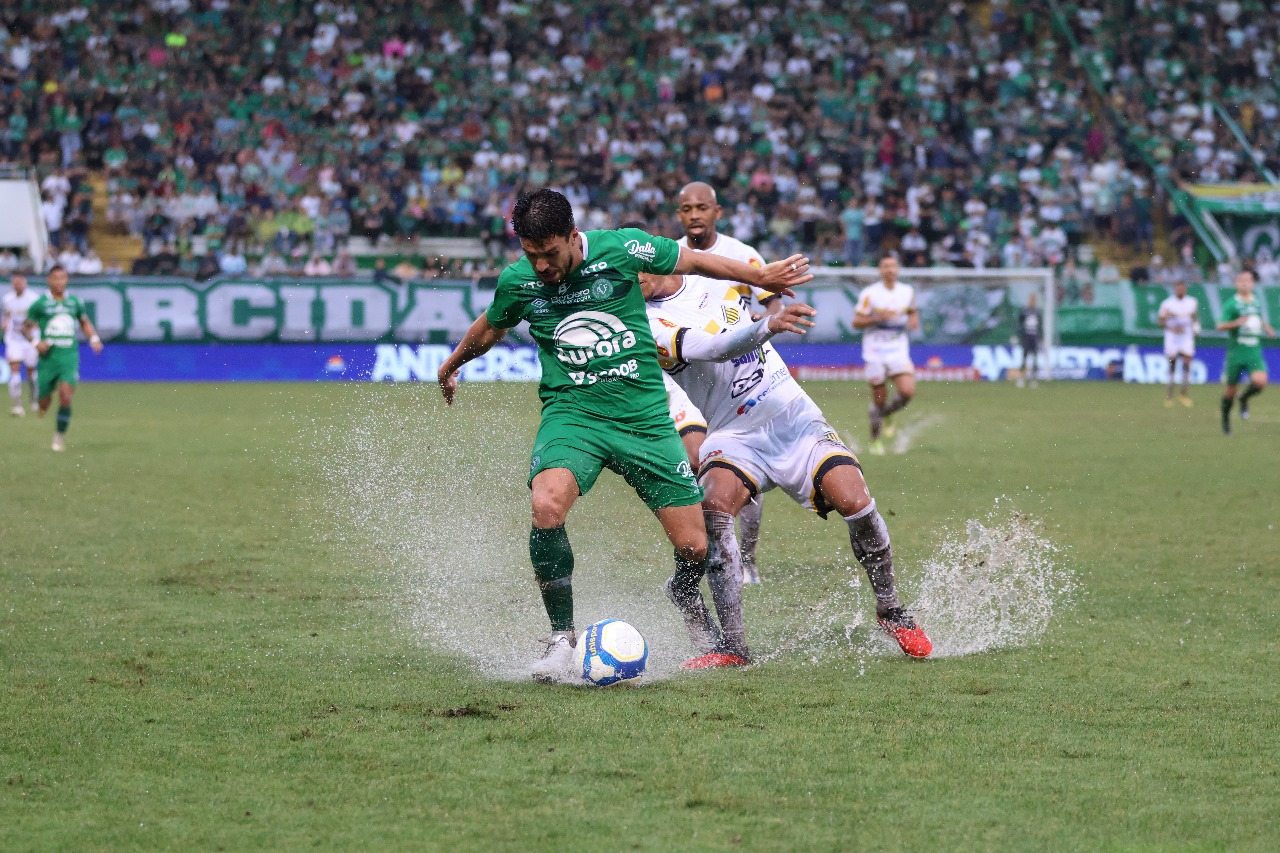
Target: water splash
[447,540]
[442,522]
[909,431]
[997,584]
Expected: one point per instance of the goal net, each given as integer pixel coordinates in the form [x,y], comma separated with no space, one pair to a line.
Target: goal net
[958,307]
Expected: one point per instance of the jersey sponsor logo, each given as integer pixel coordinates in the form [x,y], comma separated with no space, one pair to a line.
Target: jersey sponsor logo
[602,288]
[751,357]
[684,469]
[585,335]
[746,383]
[538,306]
[596,267]
[643,251]
[60,325]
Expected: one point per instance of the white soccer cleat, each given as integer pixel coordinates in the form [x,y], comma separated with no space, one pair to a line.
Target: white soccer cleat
[17,411]
[555,663]
[59,443]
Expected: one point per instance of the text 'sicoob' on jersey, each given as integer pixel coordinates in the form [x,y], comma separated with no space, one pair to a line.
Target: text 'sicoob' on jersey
[736,394]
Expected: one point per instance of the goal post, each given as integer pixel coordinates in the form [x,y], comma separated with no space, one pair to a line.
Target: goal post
[957,306]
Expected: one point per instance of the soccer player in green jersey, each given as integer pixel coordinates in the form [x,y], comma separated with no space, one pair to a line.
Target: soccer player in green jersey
[1242,319]
[56,314]
[604,404]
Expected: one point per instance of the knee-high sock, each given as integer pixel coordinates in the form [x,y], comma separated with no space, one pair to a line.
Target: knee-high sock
[31,387]
[1173,371]
[870,540]
[685,591]
[64,418]
[1249,393]
[749,529]
[553,568]
[1186,379]
[897,403]
[15,387]
[724,577]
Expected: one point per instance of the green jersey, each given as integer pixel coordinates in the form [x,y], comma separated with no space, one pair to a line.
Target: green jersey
[592,331]
[1249,335]
[58,320]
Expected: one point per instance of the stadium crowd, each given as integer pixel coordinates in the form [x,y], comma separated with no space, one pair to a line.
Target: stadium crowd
[258,135]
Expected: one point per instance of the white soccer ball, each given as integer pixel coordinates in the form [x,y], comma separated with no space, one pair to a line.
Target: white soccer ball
[610,651]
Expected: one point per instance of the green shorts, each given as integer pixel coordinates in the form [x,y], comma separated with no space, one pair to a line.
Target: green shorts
[652,461]
[1246,362]
[53,369]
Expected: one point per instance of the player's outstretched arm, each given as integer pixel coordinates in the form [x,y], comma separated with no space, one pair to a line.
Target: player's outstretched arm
[777,277]
[478,340]
[684,345]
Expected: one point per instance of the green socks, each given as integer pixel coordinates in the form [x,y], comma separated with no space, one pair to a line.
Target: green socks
[64,418]
[553,568]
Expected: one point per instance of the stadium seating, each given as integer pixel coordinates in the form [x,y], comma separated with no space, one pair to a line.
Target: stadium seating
[274,132]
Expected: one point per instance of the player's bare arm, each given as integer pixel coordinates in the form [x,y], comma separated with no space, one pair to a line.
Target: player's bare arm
[478,340]
[29,332]
[777,277]
[95,342]
[913,317]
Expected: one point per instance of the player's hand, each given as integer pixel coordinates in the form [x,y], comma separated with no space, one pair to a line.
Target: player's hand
[95,344]
[43,347]
[792,318]
[448,384]
[780,276]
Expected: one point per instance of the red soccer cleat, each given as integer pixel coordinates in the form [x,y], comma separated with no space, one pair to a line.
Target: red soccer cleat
[911,638]
[715,660]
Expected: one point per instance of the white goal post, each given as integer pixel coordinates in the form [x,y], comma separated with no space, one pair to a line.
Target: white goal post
[956,305]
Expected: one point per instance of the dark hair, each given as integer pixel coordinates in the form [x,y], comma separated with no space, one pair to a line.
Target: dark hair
[541,215]
[55,268]
[1252,273]
[635,223]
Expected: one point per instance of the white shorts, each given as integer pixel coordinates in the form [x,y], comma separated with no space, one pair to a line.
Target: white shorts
[1175,345]
[881,367]
[793,451]
[684,413]
[18,348]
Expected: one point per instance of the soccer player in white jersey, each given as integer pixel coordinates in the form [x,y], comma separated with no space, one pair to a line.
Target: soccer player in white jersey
[886,313]
[1179,317]
[18,351]
[764,431]
[699,211]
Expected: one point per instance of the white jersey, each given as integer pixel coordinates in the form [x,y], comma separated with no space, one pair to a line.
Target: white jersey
[888,341]
[15,308]
[737,394]
[735,250]
[1180,315]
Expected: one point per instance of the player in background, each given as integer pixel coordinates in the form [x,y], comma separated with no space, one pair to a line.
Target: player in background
[56,315]
[699,211]
[1029,327]
[885,314]
[1179,317]
[765,431]
[18,351]
[1242,319]
[603,401]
